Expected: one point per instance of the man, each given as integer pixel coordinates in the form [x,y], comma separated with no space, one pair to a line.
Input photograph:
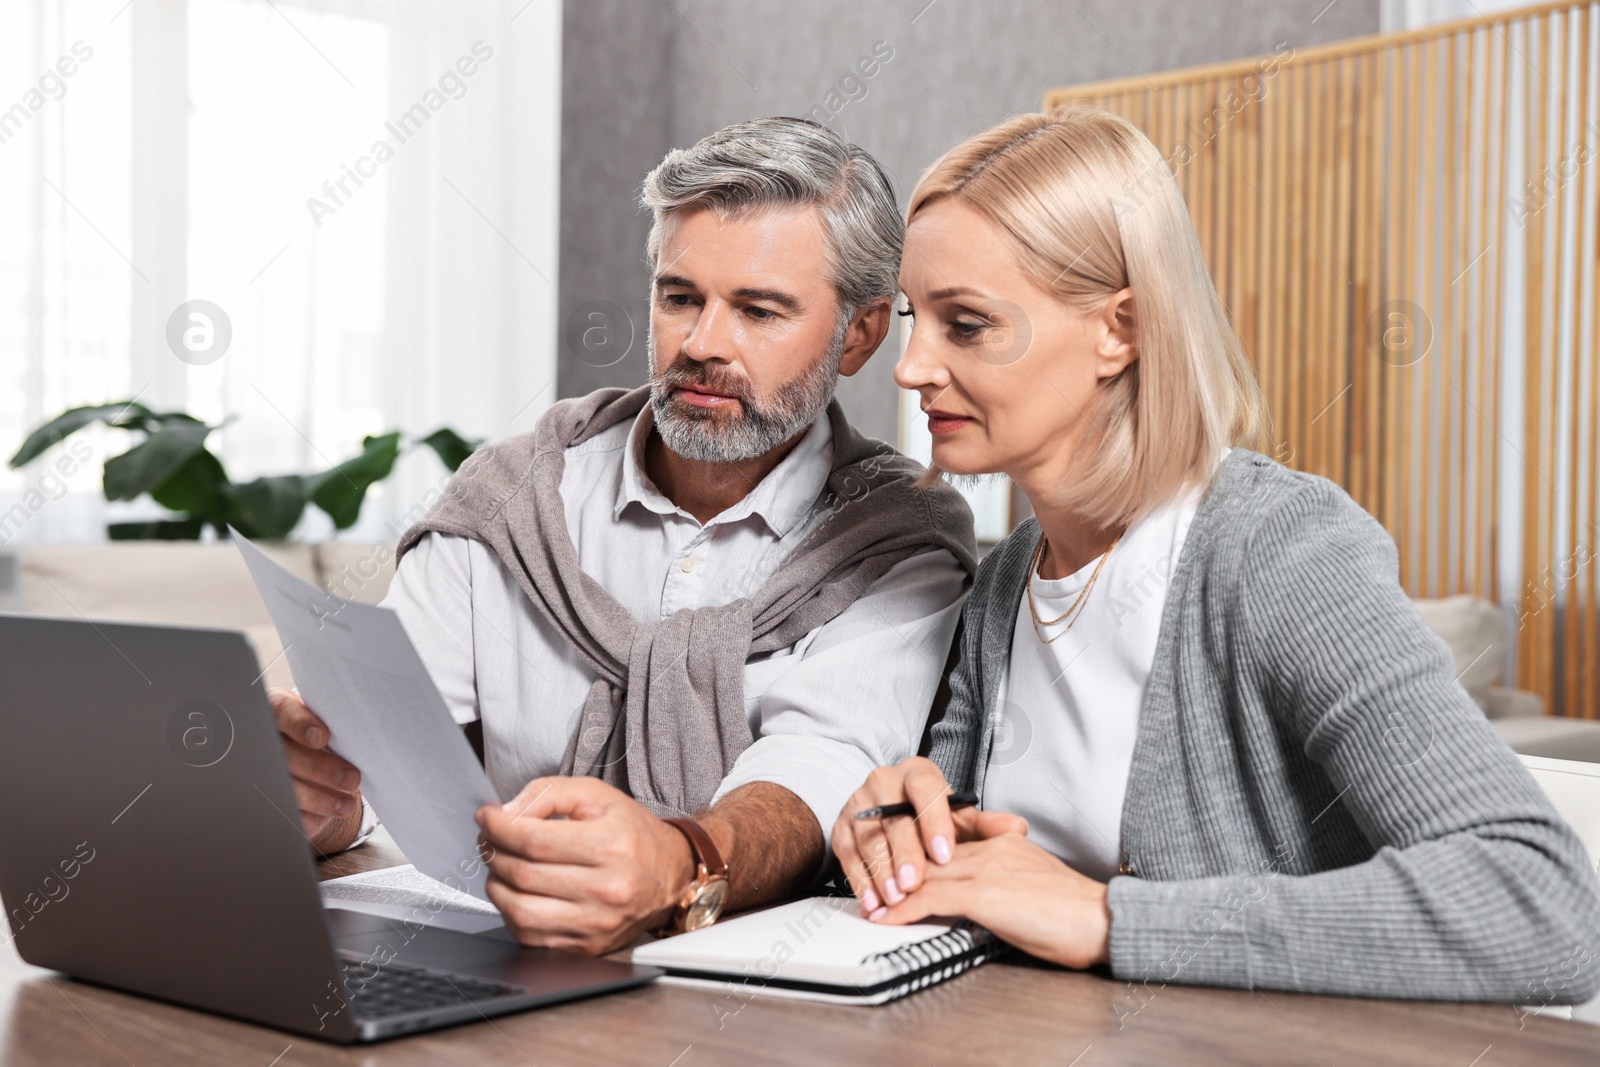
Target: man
[708,596]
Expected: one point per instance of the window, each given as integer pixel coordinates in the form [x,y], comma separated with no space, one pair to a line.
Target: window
[227,151]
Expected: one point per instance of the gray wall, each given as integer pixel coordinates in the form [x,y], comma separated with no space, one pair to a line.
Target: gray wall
[642,76]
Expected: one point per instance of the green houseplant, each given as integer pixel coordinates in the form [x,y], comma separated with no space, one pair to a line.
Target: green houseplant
[172,463]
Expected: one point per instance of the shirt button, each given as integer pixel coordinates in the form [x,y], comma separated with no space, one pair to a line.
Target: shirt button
[686,564]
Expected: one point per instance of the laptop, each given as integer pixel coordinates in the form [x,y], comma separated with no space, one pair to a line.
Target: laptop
[150,841]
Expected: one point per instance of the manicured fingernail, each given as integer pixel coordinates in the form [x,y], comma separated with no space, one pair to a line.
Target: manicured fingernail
[348,779]
[880,913]
[908,876]
[344,805]
[314,736]
[869,901]
[892,892]
[941,849]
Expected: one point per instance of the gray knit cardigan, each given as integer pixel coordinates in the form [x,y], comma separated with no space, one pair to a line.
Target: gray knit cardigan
[1315,804]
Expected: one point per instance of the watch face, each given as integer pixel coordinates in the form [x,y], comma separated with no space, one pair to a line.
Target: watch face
[707,904]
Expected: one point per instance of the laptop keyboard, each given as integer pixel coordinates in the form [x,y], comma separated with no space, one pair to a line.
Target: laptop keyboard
[398,988]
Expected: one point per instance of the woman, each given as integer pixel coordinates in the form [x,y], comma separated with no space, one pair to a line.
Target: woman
[1213,741]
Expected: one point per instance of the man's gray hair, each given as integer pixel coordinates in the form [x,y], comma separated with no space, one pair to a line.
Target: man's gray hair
[773,162]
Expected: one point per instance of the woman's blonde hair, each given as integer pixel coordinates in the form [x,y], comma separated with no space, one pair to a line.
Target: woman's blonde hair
[1094,209]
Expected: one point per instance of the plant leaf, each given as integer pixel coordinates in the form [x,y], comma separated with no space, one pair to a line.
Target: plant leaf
[151,421]
[341,490]
[267,507]
[70,422]
[156,530]
[195,489]
[153,460]
[451,448]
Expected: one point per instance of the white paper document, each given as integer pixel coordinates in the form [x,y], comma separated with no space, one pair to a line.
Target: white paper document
[357,670]
[407,894]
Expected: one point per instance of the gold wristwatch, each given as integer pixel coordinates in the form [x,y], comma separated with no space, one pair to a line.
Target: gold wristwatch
[703,901]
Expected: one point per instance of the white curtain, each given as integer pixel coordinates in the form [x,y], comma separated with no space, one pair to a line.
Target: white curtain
[367,189]
[65,240]
[1407,14]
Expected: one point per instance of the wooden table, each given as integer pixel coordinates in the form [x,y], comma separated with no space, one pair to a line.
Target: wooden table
[1000,1013]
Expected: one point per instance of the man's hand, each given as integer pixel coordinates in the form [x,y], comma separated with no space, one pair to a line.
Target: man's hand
[326,787]
[590,882]
[887,859]
[1022,894]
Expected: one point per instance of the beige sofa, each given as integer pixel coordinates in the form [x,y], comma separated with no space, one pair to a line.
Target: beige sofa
[186,583]
[1475,630]
[208,585]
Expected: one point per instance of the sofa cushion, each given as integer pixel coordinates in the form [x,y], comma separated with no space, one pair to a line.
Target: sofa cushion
[1514,704]
[355,570]
[153,581]
[162,581]
[1475,630]
[1553,738]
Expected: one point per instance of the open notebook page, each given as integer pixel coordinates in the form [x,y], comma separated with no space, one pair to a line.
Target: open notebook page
[822,939]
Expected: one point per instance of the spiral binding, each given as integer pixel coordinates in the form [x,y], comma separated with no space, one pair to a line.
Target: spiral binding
[945,956]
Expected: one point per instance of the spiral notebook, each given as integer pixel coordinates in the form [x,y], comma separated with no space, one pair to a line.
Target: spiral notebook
[821,949]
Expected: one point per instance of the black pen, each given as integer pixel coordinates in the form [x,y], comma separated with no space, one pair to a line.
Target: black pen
[957,800]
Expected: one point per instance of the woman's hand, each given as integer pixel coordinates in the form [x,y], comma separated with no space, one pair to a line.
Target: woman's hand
[1022,894]
[887,859]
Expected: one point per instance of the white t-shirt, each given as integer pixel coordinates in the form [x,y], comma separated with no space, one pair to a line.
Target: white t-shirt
[1068,712]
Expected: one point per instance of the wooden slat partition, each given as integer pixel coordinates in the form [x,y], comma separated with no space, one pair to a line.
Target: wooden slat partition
[1405,229]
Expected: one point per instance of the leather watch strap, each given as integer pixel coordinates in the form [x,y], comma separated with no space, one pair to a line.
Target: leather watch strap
[705,850]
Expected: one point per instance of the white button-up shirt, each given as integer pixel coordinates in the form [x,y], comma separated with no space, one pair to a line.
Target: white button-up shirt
[849,696]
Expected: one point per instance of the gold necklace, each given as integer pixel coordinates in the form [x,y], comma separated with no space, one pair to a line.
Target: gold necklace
[1077,605]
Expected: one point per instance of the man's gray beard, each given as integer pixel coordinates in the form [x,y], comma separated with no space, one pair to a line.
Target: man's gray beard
[714,437]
